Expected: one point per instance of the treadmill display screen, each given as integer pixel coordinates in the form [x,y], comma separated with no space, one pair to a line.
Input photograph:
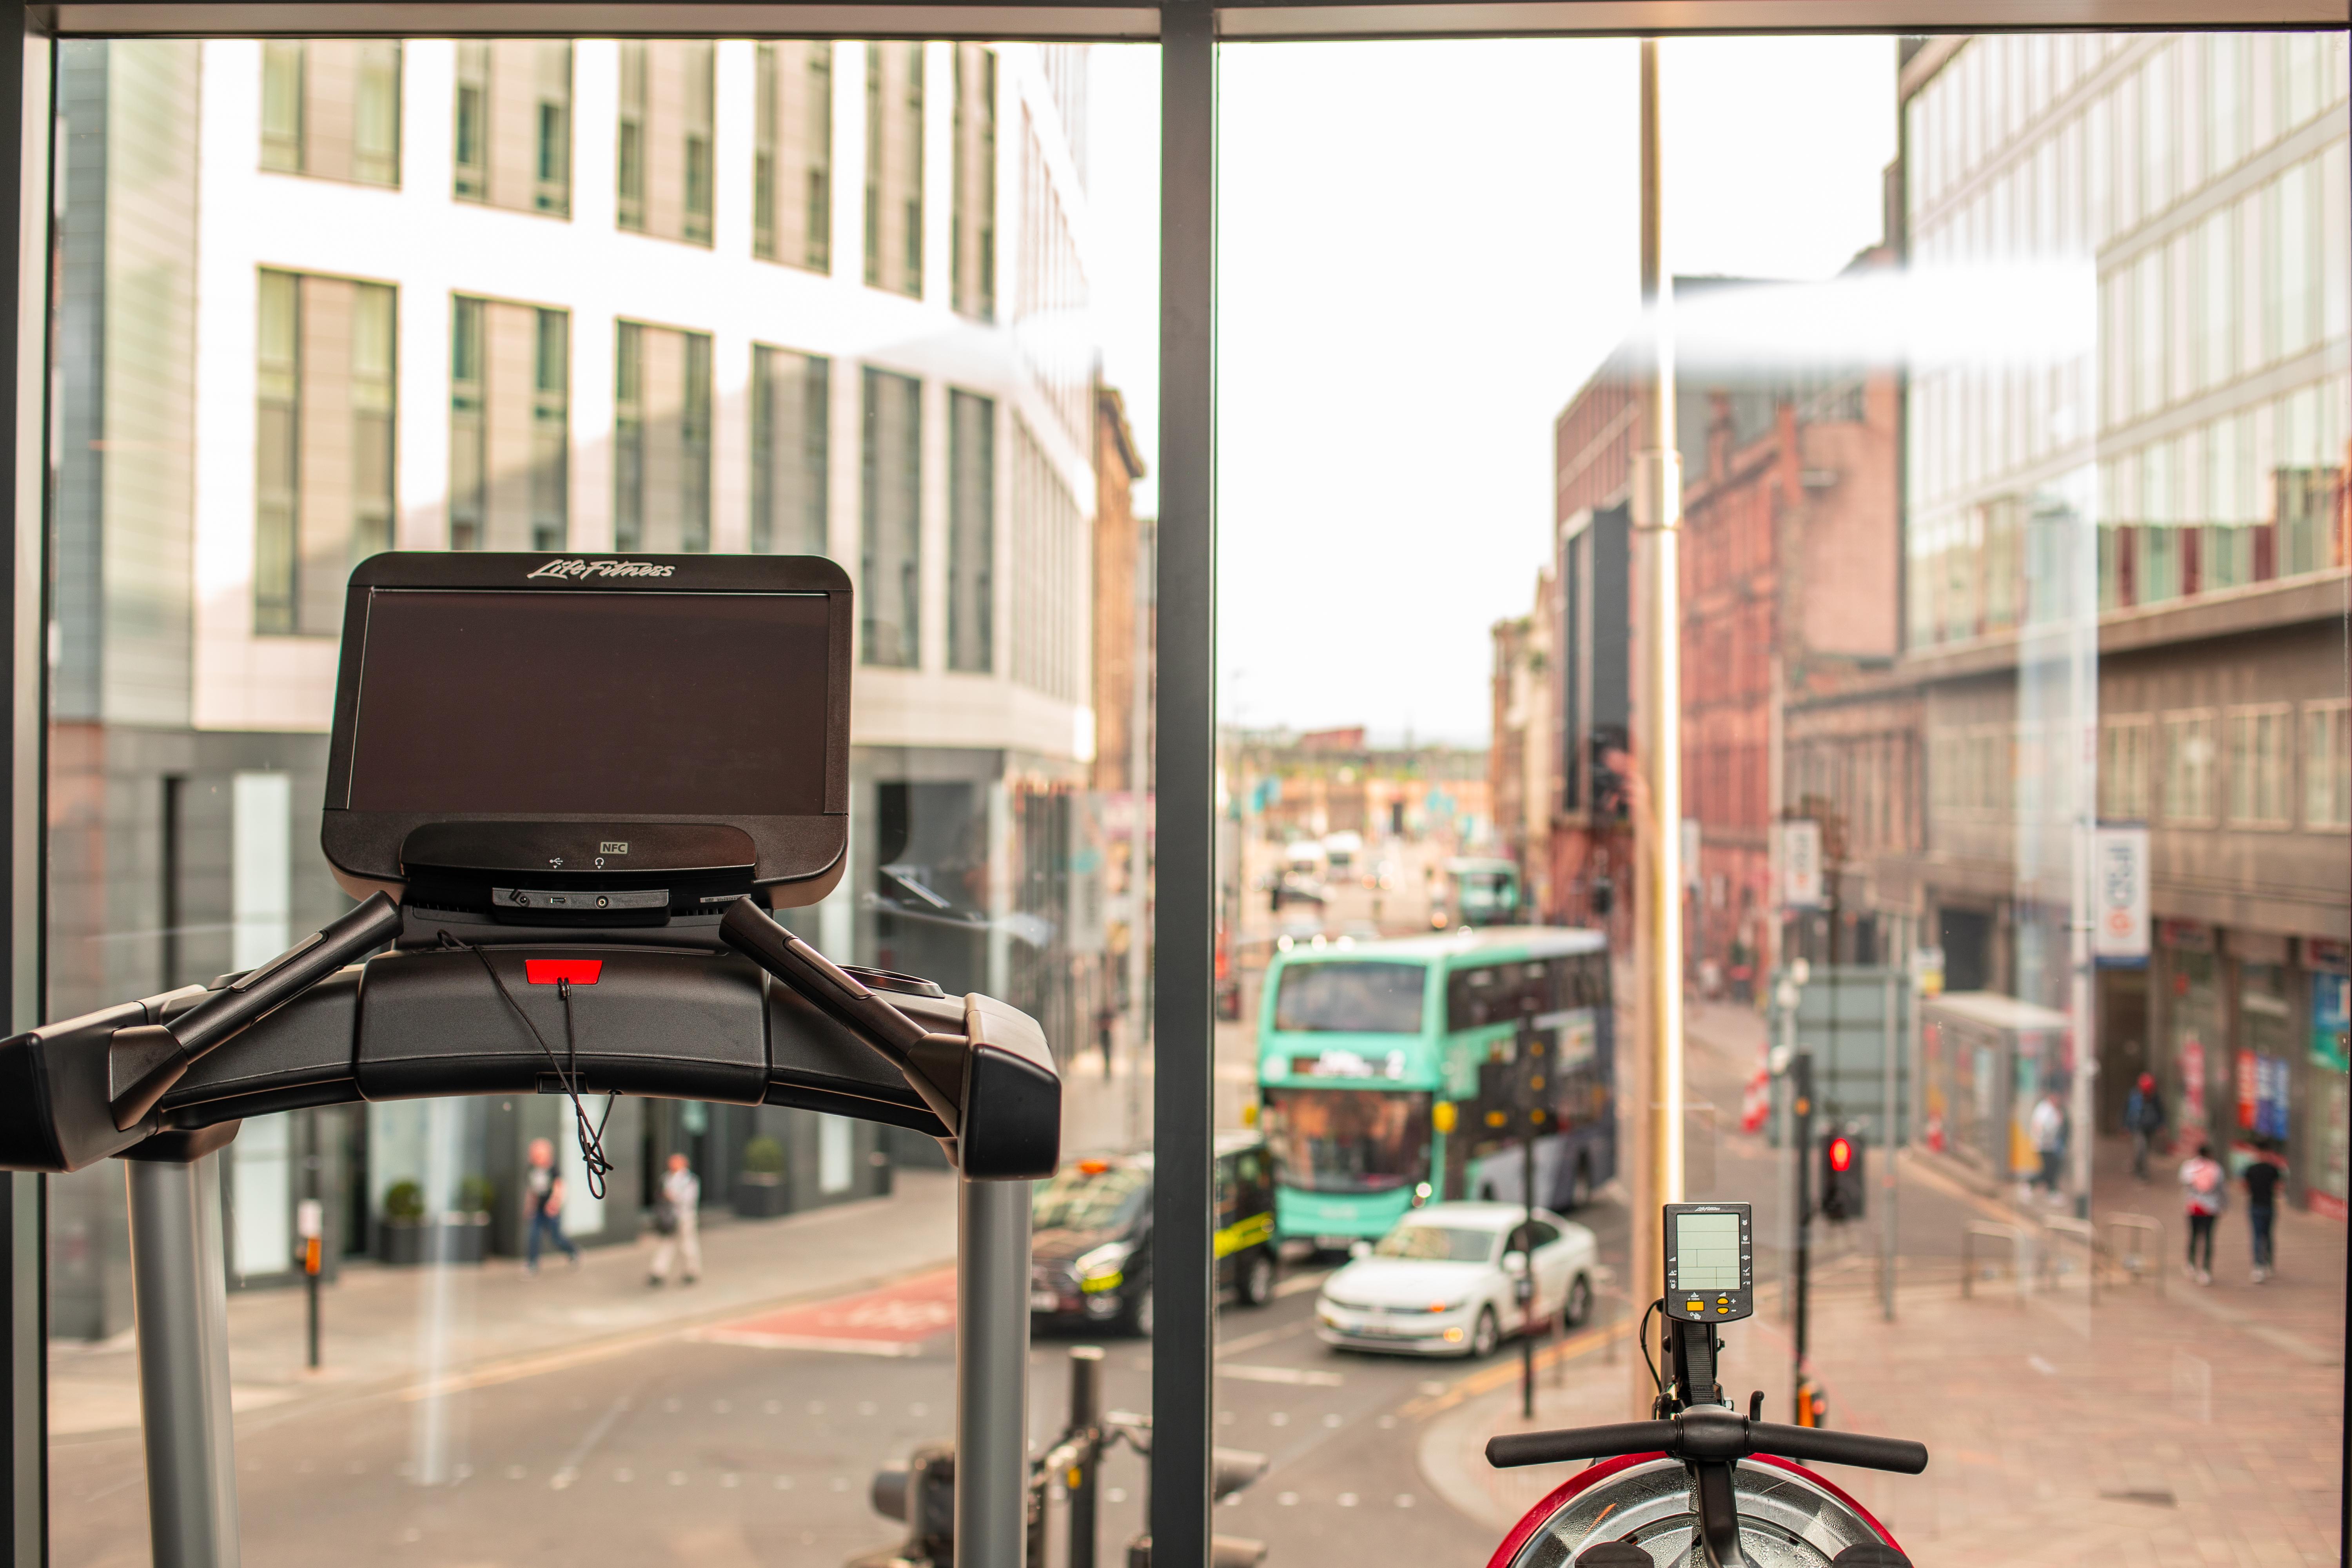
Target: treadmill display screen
[610,703]
[1706,1252]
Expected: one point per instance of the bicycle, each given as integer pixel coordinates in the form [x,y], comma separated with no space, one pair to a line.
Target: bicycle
[1701,1484]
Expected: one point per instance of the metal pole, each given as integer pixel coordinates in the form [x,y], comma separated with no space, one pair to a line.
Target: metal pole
[1086,1476]
[1532,1117]
[1788,1141]
[179,1288]
[991,1374]
[1658,629]
[1800,1086]
[1886,1141]
[1184,745]
[1139,854]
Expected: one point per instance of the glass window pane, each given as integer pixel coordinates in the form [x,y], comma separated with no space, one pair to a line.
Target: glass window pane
[711,1348]
[1998,769]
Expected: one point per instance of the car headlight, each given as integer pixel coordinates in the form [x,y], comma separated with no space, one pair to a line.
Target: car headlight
[1449,1306]
[1105,1268]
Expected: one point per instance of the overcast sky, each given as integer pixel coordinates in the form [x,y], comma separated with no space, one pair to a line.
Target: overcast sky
[1424,250]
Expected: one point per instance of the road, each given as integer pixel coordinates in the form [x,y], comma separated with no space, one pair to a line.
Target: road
[747,1446]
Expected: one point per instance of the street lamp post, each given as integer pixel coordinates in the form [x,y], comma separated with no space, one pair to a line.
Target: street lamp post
[1657,625]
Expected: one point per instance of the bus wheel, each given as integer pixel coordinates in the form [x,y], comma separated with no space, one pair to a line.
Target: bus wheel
[1257,1278]
[1577,1309]
[1485,1336]
[1579,1191]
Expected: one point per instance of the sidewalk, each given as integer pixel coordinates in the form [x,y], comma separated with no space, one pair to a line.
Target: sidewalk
[2203,1426]
[401,1329]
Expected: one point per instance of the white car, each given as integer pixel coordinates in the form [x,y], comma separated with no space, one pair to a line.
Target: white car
[1445,1281]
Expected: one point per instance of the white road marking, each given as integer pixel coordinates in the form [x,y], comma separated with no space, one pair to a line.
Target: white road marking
[1296,1376]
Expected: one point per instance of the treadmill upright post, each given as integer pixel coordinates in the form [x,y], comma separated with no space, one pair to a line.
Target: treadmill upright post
[180,1293]
[991,1374]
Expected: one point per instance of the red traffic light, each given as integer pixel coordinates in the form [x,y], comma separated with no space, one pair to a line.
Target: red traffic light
[1840,1155]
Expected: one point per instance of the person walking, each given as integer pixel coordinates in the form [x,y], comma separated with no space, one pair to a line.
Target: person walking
[2206,1186]
[675,1221]
[543,1185]
[2047,1127]
[2143,1119]
[2262,1179]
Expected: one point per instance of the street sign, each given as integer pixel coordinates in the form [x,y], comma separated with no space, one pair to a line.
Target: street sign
[1800,864]
[1842,1019]
[2119,860]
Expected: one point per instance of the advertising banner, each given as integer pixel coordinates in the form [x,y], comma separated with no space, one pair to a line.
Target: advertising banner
[2120,937]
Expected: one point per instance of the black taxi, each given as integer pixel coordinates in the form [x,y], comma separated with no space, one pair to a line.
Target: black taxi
[1090,1235]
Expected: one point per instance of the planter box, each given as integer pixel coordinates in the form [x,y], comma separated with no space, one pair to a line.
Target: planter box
[760,1196]
[454,1241]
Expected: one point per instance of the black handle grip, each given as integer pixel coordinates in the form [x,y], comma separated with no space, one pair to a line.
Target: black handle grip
[754,934]
[1820,1445]
[146,1060]
[1579,1443]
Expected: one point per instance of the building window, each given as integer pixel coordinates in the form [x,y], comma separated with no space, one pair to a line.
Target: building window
[2188,767]
[330,108]
[631,155]
[972,531]
[551,430]
[661,439]
[894,168]
[790,435]
[667,158]
[513,132]
[1051,591]
[325,375]
[281,104]
[791,163]
[2327,765]
[891,562]
[972,247]
[468,453]
[509,437]
[2260,765]
[2122,768]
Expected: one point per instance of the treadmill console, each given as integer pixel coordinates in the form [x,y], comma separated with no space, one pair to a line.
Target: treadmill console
[529,747]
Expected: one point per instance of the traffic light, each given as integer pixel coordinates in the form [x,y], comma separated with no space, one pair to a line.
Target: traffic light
[1842,1179]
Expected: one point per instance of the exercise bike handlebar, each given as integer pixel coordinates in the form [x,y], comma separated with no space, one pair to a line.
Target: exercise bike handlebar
[1709,1433]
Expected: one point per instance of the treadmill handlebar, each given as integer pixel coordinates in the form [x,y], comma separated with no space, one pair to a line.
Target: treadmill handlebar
[994,1087]
[833,991]
[144,1061]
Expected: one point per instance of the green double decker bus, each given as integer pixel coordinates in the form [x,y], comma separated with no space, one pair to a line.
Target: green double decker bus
[1384,1075]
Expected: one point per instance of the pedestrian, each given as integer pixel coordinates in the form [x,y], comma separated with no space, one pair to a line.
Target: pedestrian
[543,1185]
[675,1221]
[2262,1179]
[2206,1186]
[2143,1119]
[2047,1127]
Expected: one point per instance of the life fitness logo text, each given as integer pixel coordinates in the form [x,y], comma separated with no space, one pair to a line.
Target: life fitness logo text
[570,570]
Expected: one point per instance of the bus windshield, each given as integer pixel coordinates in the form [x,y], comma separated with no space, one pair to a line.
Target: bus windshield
[1353,998]
[1488,890]
[1349,1139]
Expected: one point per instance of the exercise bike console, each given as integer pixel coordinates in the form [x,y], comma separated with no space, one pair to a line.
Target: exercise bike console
[1790,1518]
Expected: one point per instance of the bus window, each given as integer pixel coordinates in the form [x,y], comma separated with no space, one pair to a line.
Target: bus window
[1349,999]
[1475,997]
[1349,1139]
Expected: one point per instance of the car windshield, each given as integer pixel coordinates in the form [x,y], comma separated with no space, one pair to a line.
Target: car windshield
[1437,1244]
[1352,998]
[1079,1198]
[1349,1139]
